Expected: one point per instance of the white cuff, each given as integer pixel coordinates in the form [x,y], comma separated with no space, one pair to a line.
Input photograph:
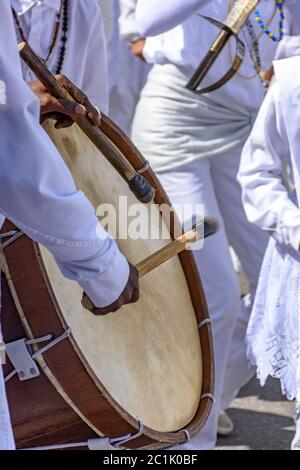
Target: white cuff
[106,288]
[149,52]
[128,29]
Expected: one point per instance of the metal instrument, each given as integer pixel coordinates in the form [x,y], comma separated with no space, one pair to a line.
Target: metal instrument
[233,24]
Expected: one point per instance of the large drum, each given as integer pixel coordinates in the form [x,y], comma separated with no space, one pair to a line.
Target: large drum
[143,375]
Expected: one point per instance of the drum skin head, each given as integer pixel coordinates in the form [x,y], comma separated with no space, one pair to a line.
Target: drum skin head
[147,356]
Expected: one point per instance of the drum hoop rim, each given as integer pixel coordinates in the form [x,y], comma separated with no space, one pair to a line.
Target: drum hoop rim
[121,141]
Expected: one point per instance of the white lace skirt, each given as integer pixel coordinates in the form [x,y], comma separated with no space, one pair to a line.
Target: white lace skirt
[273,332]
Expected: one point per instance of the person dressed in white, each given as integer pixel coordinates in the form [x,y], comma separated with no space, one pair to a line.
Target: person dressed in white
[272,202]
[38,194]
[127,73]
[77,50]
[194,142]
[82,57]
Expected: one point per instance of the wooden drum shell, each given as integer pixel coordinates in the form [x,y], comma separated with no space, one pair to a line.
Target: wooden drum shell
[40,413]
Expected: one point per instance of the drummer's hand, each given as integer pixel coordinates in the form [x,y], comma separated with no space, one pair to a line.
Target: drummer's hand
[62,111]
[130,294]
[137,48]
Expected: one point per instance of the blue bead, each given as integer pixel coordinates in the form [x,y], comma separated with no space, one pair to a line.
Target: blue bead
[280,5]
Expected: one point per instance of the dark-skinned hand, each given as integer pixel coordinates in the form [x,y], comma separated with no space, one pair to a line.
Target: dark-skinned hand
[63,111]
[130,294]
[137,48]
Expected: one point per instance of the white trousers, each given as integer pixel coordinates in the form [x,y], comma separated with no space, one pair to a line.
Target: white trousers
[6,436]
[194,142]
[212,182]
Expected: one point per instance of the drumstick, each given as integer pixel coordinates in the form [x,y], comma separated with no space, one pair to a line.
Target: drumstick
[177,246]
[208,227]
[137,183]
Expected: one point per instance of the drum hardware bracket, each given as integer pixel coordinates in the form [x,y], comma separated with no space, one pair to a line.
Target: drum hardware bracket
[22,357]
[12,236]
[103,443]
[145,168]
[208,395]
[187,434]
[207,321]
[118,442]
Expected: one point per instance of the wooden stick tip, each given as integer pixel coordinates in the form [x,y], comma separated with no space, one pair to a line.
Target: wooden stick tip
[21,45]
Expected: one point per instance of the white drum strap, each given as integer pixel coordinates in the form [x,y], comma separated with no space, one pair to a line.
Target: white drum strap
[104,443]
[22,358]
[208,395]
[207,321]
[187,434]
[146,167]
[12,237]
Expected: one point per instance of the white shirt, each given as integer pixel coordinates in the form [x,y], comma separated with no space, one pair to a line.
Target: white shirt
[86,57]
[37,191]
[191,37]
[266,197]
[127,21]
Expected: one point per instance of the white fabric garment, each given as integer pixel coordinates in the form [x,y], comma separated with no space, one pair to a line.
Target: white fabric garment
[191,126]
[155,17]
[85,60]
[63,219]
[127,73]
[191,37]
[164,116]
[107,9]
[213,185]
[239,370]
[274,331]
[129,30]
[289,99]
[6,435]
[175,130]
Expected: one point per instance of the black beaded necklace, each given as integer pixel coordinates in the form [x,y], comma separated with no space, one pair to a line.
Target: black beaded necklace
[62,22]
[65,29]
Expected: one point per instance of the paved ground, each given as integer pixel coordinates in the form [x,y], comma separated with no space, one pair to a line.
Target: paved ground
[262,419]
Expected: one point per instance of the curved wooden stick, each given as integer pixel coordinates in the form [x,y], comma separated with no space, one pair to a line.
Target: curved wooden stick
[206,228]
[232,25]
[137,183]
[176,246]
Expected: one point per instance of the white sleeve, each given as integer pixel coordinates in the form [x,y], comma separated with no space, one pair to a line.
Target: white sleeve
[37,191]
[158,16]
[265,196]
[127,21]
